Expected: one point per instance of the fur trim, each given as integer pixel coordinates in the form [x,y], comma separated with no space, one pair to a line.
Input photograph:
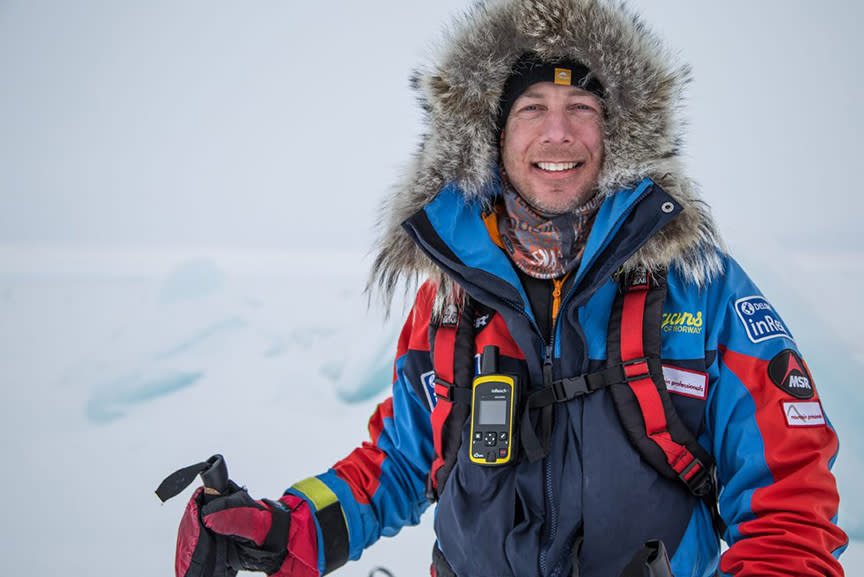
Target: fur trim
[460,94]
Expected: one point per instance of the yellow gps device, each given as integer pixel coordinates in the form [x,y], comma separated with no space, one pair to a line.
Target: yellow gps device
[493,414]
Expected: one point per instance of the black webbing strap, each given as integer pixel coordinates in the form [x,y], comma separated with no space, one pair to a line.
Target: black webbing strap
[559,391]
[452,393]
[176,482]
[214,475]
[651,560]
[641,400]
[452,346]
[564,390]
[280,527]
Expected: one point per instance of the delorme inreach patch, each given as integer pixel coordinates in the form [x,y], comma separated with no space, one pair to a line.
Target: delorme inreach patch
[760,320]
[788,371]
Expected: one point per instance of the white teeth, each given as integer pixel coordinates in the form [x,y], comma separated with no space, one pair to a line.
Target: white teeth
[557,166]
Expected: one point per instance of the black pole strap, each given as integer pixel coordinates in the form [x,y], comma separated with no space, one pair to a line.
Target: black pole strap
[213,471]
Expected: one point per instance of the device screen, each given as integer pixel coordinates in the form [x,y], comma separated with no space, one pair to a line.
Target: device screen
[493,412]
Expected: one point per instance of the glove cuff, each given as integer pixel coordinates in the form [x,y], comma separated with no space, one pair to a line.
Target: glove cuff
[302,559]
[328,515]
[280,527]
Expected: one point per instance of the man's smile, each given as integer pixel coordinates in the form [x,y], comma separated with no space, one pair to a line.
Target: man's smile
[557,166]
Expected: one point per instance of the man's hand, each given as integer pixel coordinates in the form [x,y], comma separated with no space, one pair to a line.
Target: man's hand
[220,535]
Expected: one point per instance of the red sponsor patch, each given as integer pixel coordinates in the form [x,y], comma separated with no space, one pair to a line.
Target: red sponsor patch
[804,413]
[686,382]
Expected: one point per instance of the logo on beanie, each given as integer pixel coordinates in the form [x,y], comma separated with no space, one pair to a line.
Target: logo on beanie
[788,371]
[563,76]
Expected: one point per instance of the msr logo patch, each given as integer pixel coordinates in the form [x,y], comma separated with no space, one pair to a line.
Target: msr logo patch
[807,414]
[788,371]
[759,319]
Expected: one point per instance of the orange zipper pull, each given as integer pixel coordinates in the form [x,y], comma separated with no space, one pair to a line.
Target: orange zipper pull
[557,285]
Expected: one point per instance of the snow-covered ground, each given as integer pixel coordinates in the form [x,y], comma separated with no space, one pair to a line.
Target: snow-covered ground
[118,368]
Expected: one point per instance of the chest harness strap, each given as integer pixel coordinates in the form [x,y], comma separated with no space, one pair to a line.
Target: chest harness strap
[452,344]
[641,398]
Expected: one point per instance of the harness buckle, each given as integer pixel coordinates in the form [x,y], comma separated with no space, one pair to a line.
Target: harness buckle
[452,393]
[700,483]
[443,389]
[644,372]
[570,388]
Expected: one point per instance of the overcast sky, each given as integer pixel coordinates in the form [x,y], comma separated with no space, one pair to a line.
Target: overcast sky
[265,124]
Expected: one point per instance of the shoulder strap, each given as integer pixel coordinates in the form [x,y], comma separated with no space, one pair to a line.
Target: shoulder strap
[641,399]
[452,348]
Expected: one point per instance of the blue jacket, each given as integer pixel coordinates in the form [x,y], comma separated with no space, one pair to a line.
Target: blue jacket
[734,373]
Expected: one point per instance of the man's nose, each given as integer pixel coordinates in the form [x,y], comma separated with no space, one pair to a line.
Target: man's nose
[557,127]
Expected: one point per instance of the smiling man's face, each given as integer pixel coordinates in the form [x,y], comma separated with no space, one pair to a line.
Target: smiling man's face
[552,146]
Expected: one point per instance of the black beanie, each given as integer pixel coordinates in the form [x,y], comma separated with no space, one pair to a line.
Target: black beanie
[530,69]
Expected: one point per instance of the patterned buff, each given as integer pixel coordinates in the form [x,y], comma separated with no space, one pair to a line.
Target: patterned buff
[541,246]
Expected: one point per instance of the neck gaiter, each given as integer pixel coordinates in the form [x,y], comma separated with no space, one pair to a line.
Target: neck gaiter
[544,246]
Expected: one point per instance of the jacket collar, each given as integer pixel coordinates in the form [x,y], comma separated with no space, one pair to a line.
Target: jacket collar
[452,233]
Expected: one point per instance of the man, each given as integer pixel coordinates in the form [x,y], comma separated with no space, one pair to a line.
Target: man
[547,191]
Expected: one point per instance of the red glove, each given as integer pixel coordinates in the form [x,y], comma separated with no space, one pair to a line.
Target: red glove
[239,533]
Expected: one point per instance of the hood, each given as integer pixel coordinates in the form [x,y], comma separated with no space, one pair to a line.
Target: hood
[460,91]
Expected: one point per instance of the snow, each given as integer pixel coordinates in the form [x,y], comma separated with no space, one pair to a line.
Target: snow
[116,374]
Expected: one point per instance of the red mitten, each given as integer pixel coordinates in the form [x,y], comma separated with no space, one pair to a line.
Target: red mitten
[277,537]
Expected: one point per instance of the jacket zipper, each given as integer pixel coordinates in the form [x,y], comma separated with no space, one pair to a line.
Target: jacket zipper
[547,382]
[557,285]
[547,375]
[547,464]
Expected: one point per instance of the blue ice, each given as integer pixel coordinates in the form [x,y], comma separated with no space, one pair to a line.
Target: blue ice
[113,399]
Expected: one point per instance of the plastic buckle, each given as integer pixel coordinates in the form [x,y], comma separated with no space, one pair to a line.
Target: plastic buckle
[559,394]
[449,387]
[567,389]
[701,483]
[639,376]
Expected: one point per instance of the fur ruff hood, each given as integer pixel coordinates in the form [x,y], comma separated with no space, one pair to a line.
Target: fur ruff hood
[460,93]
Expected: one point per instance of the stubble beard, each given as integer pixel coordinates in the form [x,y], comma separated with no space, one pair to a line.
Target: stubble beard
[548,209]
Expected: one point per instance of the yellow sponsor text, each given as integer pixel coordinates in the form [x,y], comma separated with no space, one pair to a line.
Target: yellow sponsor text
[683,322]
